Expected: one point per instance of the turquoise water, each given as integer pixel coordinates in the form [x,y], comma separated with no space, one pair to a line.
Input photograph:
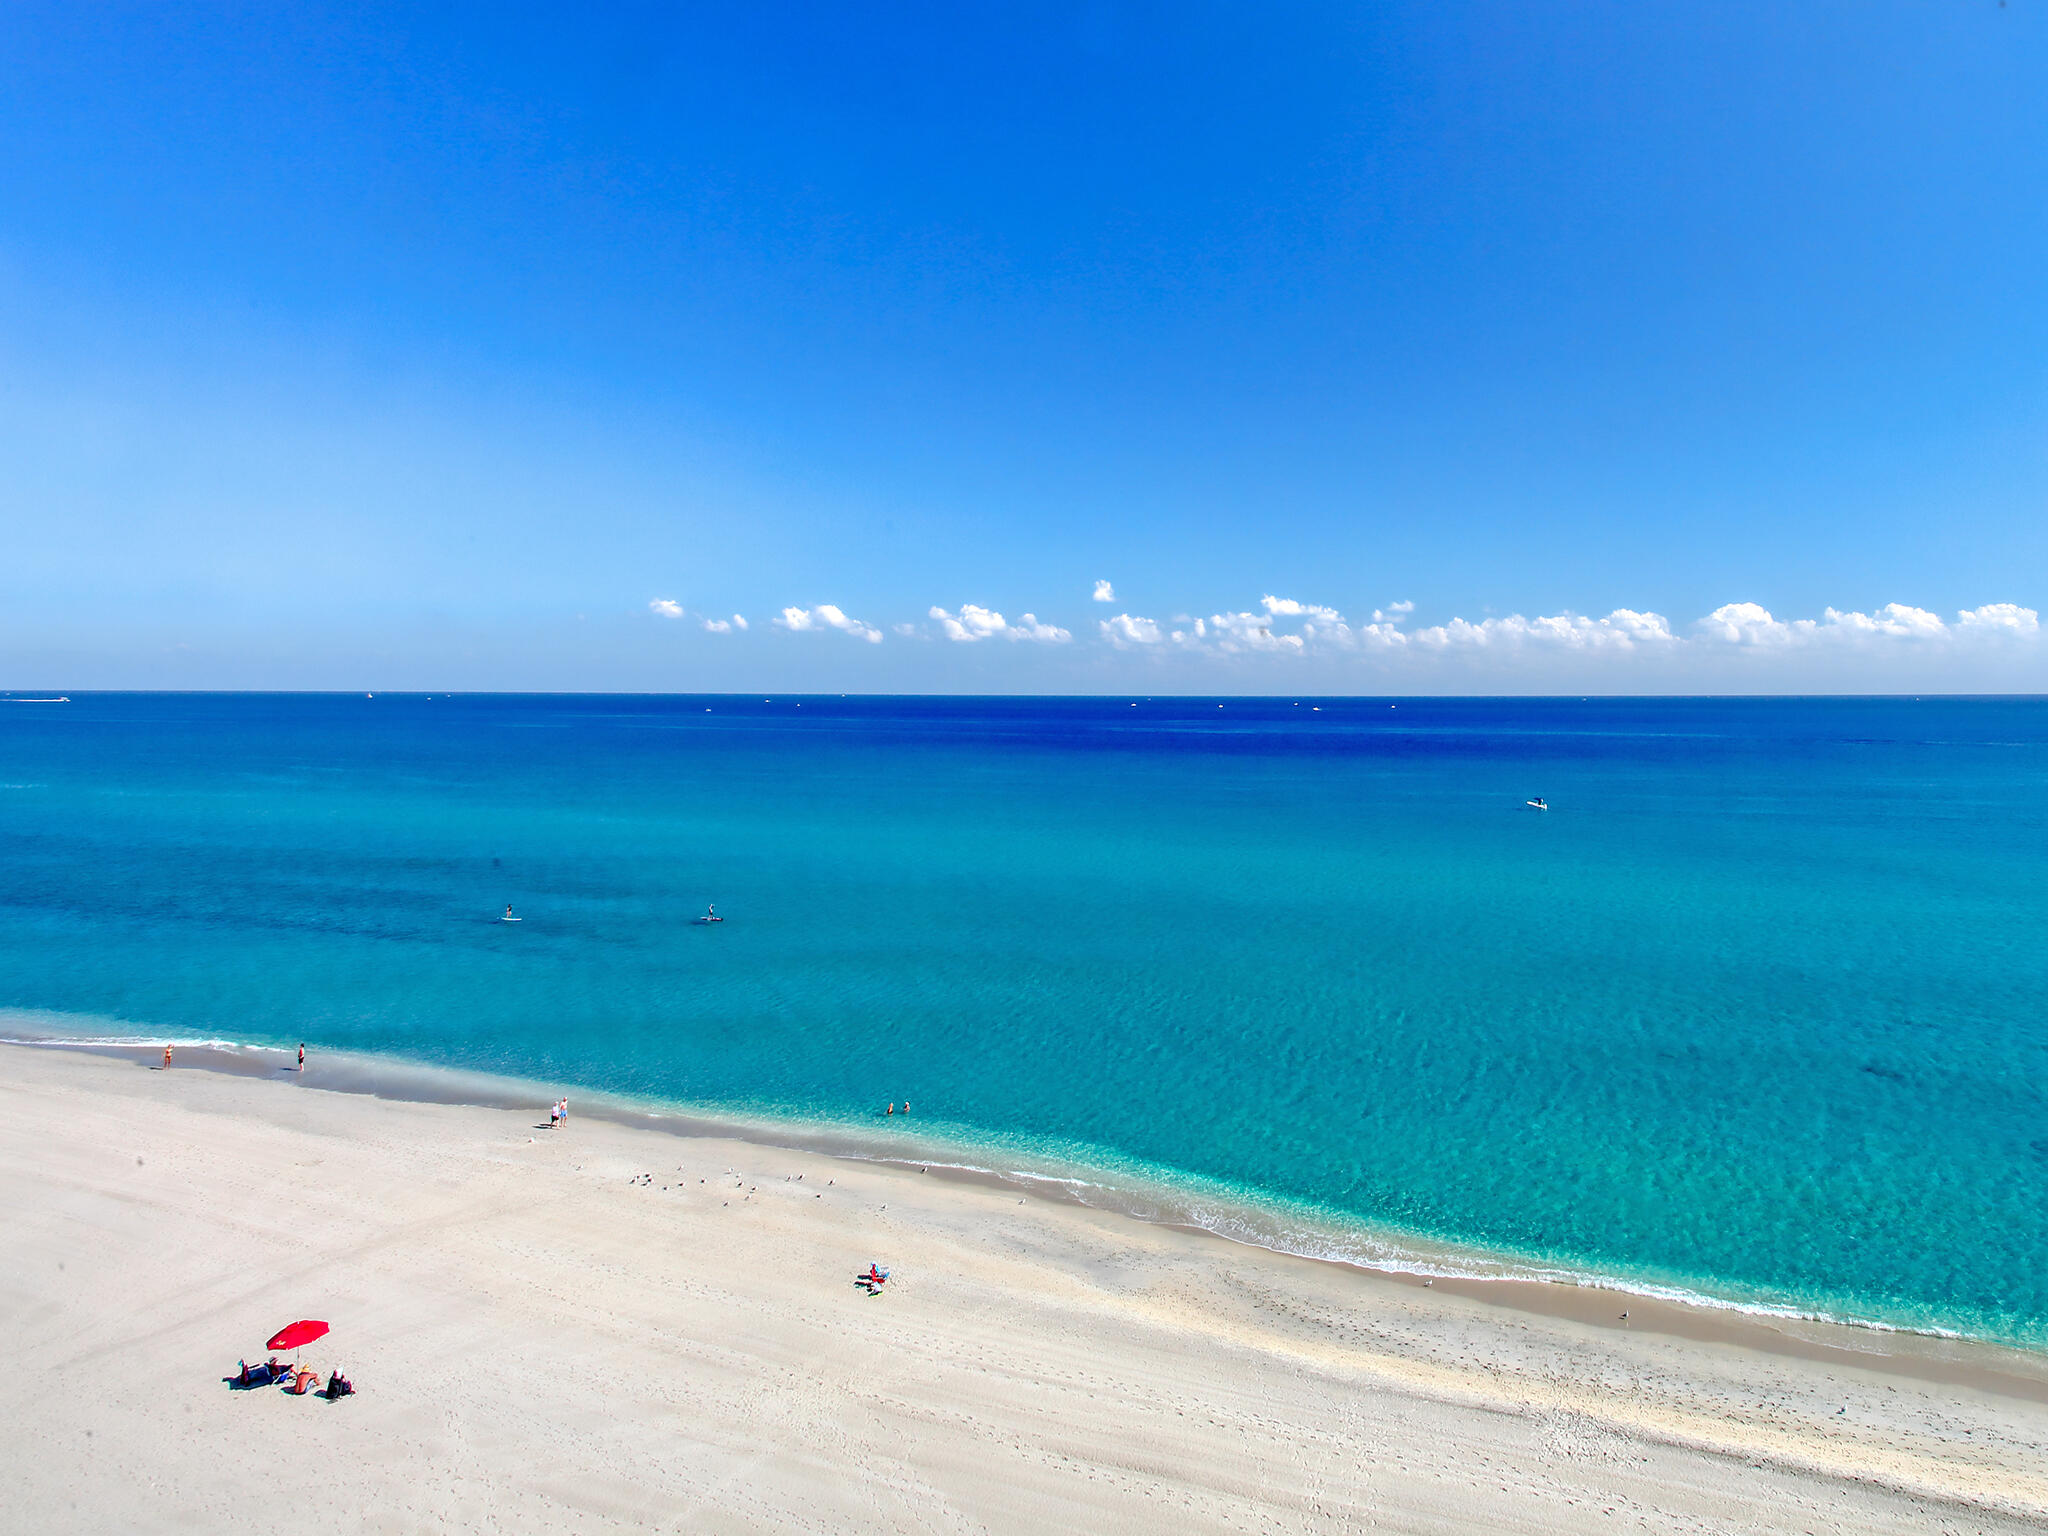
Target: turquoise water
[1757,1009]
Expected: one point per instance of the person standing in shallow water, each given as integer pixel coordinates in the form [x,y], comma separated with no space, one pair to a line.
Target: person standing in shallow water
[167,1056]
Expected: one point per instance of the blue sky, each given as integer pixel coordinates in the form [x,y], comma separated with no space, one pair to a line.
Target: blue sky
[1603,346]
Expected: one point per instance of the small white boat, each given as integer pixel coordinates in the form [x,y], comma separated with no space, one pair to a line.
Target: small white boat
[1537,804]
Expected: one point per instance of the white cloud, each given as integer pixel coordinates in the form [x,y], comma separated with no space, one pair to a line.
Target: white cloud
[665,608]
[830,616]
[718,626]
[973,623]
[1104,592]
[1752,625]
[1288,608]
[1893,619]
[1248,632]
[2000,618]
[976,623]
[1384,633]
[1995,647]
[1895,645]
[1028,628]
[1125,631]
[1625,629]
[1893,629]
[1742,624]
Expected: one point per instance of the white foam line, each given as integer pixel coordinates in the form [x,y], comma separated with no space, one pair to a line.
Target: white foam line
[1508,1268]
[1389,1257]
[1155,1198]
[127,1042]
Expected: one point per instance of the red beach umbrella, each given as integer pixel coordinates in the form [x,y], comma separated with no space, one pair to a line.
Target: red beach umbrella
[292,1335]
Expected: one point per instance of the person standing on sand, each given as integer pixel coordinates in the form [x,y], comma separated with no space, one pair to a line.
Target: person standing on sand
[302,1055]
[555,1115]
[565,1109]
[167,1056]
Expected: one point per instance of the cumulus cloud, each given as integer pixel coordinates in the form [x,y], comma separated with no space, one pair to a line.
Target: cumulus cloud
[1248,632]
[1885,646]
[1288,608]
[1029,628]
[1127,630]
[828,616]
[1104,592]
[1625,629]
[1751,625]
[665,608]
[2000,618]
[973,623]
[1894,619]
[1741,624]
[725,626]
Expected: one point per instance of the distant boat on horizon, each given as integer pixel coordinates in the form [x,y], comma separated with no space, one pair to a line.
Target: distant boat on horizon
[61,699]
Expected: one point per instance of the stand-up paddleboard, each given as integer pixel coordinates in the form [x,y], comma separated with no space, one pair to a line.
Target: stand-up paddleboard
[509,918]
[1537,804]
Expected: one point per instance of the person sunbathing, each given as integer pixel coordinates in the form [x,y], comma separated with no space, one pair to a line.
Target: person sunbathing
[338,1386]
[300,1382]
[258,1375]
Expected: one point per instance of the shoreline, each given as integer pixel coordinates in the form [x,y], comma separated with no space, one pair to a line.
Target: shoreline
[1610,1303]
[606,1329]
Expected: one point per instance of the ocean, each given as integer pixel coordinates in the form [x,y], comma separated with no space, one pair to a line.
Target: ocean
[1754,1012]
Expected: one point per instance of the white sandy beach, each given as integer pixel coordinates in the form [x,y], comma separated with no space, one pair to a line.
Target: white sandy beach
[541,1343]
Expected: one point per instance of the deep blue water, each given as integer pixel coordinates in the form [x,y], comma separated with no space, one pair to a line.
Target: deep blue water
[1756,1008]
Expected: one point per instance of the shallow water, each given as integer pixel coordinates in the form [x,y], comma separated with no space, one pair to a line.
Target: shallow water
[1755,1009]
